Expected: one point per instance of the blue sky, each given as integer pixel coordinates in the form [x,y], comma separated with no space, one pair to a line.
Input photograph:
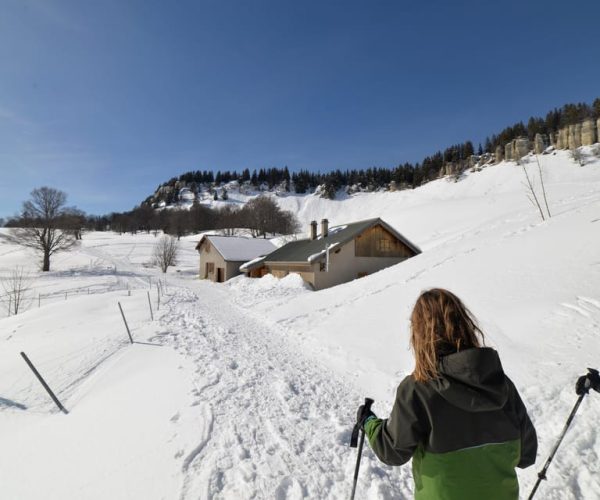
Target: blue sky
[105,100]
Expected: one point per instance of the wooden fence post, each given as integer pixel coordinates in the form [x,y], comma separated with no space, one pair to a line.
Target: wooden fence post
[125,321]
[44,384]
[150,305]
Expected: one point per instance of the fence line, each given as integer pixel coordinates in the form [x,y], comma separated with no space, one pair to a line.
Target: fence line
[42,298]
[78,375]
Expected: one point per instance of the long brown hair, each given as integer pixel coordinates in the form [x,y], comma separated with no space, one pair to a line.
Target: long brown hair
[440,324]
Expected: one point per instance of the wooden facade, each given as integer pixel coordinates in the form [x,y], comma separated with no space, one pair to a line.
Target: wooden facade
[379,242]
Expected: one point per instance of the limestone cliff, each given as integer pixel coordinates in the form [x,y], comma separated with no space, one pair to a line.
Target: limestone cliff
[573,136]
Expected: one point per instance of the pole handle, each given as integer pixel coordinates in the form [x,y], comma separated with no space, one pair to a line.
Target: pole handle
[357,428]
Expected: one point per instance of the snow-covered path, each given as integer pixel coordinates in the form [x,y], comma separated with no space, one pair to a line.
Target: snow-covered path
[275,424]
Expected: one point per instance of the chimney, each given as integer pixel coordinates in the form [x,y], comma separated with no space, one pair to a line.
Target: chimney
[313,230]
[324,228]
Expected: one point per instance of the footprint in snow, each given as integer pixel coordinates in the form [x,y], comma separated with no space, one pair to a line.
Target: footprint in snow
[289,489]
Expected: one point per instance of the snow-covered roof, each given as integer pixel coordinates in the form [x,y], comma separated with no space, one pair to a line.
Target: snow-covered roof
[238,249]
[252,263]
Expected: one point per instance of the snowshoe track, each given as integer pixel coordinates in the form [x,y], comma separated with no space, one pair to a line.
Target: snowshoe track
[276,425]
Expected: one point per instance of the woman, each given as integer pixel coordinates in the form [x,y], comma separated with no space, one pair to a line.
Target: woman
[458,416]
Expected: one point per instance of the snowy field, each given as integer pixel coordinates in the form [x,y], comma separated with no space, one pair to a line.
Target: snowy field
[249,389]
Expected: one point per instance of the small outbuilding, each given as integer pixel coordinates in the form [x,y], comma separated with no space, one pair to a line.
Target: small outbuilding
[222,256]
[338,255]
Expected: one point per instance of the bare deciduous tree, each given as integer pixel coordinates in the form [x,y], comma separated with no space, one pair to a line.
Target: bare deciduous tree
[165,252]
[17,287]
[73,220]
[229,219]
[532,193]
[537,158]
[262,215]
[40,225]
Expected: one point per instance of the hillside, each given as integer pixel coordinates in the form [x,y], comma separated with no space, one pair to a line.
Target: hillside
[570,127]
[249,389]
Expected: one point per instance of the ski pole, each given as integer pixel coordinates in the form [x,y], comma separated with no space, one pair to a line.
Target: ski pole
[353,442]
[591,380]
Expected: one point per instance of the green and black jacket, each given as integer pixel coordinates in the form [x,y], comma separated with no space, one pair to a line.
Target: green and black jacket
[466,431]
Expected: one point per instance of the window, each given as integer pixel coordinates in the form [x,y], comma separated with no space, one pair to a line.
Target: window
[210,268]
[322,266]
[384,245]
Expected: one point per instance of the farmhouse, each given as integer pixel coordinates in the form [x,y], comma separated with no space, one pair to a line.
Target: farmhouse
[221,256]
[338,255]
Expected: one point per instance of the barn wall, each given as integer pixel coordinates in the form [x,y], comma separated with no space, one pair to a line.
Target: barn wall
[379,242]
[232,269]
[208,254]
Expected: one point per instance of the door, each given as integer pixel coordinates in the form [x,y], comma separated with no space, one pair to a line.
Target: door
[220,275]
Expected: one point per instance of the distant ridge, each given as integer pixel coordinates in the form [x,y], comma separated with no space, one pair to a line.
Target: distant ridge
[568,127]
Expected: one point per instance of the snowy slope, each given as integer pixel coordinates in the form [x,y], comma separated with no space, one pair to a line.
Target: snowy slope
[249,389]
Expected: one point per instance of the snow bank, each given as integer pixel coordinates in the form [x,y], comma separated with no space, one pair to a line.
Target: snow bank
[252,291]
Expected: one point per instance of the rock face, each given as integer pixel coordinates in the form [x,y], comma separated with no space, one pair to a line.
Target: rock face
[516,149]
[588,132]
[499,154]
[449,168]
[578,134]
[540,143]
[521,147]
[508,152]
[562,141]
[574,136]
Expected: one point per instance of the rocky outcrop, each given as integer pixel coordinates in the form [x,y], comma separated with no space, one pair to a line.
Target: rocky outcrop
[499,154]
[562,141]
[517,148]
[574,136]
[578,134]
[570,137]
[447,169]
[588,132]
[521,147]
[540,143]
[508,152]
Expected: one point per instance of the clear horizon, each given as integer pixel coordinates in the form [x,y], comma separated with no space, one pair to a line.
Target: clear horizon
[107,101]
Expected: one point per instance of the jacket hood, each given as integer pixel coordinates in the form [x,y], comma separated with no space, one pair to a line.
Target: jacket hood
[473,380]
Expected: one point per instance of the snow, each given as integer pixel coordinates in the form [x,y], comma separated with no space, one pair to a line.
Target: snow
[316,256]
[250,263]
[248,389]
[239,249]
